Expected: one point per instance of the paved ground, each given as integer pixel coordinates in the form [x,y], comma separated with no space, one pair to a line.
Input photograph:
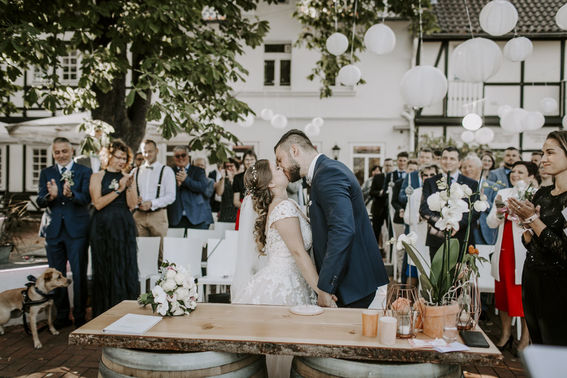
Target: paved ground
[58,359]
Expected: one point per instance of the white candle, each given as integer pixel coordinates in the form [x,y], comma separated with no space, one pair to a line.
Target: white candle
[387,329]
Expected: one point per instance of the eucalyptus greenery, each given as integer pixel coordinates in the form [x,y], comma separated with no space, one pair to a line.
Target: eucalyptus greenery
[141,60]
[318,18]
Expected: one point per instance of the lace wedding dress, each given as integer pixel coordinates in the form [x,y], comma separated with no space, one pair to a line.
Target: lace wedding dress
[280,282]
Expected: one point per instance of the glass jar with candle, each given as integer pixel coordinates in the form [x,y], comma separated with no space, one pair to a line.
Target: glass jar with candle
[401,300]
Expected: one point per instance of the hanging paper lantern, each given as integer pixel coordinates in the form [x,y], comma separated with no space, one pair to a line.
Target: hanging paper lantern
[503,110]
[337,43]
[267,114]
[484,135]
[472,121]
[533,121]
[279,121]
[476,60]
[548,106]
[248,121]
[317,121]
[512,122]
[423,86]
[467,136]
[518,49]
[561,17]
[349,75]
[498,17]
[380,39]
[311,130]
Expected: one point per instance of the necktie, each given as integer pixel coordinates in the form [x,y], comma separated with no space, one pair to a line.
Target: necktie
[63,170]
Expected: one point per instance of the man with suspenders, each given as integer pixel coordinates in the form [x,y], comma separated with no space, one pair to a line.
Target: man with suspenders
[155,183]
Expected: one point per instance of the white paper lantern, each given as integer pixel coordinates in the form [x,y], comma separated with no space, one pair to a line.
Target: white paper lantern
[349,75]
[267,114]
[317,121]
[423,86]
[279,121]
[533,121]
[503,110]
[564,122]
[467,136]
[484,135]
[512,123]
[518,49]
[498,17]
[311,130]
[337,43]
[380,39]
[548,106]
[476,60]
[561,17]
[248,121]
[472,121]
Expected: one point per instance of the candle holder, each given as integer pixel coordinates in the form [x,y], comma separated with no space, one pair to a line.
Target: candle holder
[400,302]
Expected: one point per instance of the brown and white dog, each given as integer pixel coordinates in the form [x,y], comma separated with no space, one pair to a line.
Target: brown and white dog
[13,299]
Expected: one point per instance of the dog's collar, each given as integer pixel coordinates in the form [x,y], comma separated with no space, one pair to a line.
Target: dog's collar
[49,295]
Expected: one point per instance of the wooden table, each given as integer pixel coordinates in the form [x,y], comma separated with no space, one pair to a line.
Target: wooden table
[268,330]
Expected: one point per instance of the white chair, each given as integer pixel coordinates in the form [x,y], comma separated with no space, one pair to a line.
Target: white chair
[184,252]
[485,279]
[202,235]
[221,262]
[148,252]
[224,226]
[175,232]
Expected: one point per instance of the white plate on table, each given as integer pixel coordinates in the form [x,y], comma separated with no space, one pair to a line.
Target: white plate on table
[306,310]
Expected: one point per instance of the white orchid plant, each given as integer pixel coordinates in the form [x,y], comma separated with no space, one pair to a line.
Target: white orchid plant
[451,263]
[175,293]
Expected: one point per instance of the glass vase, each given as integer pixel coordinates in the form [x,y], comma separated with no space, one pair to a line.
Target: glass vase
[469,304]
[400,303]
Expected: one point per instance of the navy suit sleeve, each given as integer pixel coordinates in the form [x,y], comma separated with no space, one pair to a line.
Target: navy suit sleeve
[210,188]
[336,203]
[424,211]
[42,193]
[82,196]
[403,197]
[196,181]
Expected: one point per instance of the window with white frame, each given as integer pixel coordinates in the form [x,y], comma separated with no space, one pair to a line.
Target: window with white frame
[364,157]
[277,64]
[39,75]
[37,158]
[70,67]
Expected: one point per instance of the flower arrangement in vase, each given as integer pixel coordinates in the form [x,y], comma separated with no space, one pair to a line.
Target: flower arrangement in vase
[442,281]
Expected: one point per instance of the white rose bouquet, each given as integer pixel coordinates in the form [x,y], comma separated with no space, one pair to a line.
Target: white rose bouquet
[175,292]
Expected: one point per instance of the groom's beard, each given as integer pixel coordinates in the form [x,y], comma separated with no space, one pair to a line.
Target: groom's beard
[293,172]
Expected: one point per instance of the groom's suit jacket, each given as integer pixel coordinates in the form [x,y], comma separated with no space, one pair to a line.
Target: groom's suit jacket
[346,253]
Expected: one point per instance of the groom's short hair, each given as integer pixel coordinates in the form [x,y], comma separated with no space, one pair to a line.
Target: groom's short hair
[295,136]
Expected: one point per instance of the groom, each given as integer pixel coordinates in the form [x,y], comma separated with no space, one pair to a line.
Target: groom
[346,253]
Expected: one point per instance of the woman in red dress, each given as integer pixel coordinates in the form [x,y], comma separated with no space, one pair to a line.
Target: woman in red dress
[510,253]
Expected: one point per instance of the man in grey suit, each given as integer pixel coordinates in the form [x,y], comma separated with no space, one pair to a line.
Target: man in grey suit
[502,175]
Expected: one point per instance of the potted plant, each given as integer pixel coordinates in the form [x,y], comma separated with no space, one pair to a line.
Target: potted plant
[10,222]
[452,264]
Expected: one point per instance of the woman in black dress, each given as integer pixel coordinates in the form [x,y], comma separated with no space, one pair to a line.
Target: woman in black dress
[113,231]
[544,279]
[238,188]
[227,211]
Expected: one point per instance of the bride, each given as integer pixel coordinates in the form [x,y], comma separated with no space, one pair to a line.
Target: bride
[278,229]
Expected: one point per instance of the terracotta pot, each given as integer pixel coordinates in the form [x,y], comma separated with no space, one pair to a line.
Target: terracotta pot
[434,319]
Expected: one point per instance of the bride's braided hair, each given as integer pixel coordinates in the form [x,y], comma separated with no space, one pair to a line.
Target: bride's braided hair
[256,179]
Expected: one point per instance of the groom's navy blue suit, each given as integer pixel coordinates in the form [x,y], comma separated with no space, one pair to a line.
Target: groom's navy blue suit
[346,253]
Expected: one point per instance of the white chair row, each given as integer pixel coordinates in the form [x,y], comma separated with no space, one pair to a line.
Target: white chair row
[217,231]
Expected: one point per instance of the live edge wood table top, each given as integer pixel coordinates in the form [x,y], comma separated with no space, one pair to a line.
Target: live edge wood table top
[268,330]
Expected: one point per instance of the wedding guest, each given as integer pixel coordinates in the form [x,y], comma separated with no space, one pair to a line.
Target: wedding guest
[437,157]
[545,178]
[238,188]
[217,176]
[113,230]
[64,193]
[138,159]
[396,224]
[510,253]
[424,158]
[536,157]
[156,189]
[450,162]
[388,166]
[502,175]
[376,169]
[227,211]
[379,206]
[488,163]
[544,280]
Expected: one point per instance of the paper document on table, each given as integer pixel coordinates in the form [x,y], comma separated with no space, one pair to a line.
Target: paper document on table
[453,347]
[132,324]
[419,343]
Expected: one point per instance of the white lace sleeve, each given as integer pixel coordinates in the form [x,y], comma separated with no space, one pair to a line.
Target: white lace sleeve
[284,209]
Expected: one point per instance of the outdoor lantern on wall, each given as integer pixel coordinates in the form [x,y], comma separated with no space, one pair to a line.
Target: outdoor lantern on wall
[380,39]
[349,75]
[337,43]
[484,135]
[279,121]
[511,123]
[518,49]
[472,121]
[498,17]
[561,17]
[533,121]
[423,86]
[267,114]
[336,152]
[476,60]
[548,105]
[467,136]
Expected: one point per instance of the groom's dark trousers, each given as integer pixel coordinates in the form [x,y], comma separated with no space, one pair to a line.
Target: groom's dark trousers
[346,253]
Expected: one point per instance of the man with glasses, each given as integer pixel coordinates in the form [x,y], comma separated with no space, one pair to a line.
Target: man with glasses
[191,208]
[155,183]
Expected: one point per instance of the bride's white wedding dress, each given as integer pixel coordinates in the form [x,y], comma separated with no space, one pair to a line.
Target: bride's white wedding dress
[280,281]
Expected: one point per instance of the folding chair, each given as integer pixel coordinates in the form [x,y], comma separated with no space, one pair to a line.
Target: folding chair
[221,262]
[224,226]
[148,251]
[184,252]
[176,232]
